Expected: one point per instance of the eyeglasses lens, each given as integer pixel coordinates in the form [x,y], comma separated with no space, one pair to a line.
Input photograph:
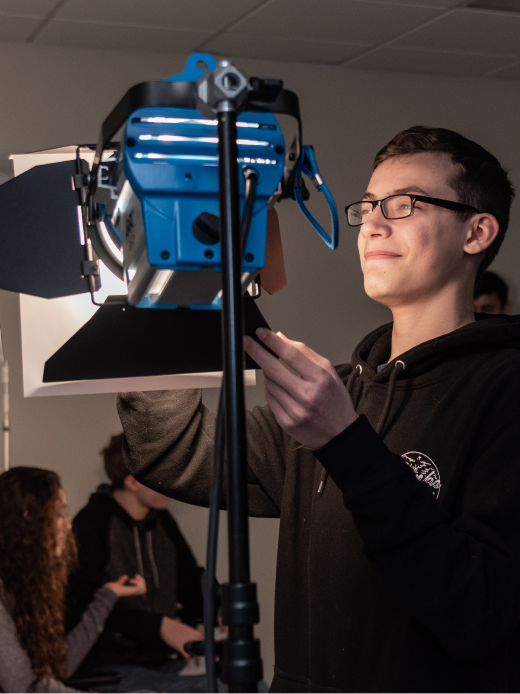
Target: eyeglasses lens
[357,213]
[397,207]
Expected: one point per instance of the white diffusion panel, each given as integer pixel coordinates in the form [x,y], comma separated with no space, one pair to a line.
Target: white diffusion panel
[46,324]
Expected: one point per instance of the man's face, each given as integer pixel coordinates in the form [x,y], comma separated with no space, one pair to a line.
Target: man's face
[151,499]
[411,259]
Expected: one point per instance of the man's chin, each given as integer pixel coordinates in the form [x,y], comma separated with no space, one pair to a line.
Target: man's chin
[163,506]
[380,293]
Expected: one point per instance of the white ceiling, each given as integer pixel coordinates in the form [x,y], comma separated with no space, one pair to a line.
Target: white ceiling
[427,36]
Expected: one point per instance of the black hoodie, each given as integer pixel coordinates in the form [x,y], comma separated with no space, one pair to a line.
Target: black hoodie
[402,573]
[110,544]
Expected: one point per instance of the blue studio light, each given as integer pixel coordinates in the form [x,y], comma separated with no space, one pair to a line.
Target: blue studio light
[165,183]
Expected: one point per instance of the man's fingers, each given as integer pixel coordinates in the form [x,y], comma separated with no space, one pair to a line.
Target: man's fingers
[293,411]
[276,407]
[271,366]
[304,389]
[308,352]
[298,356]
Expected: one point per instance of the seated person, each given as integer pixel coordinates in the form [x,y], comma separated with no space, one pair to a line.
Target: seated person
[126,527]
[491,295]
[37,551]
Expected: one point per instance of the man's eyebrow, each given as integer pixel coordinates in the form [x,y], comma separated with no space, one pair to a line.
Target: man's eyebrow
[399,191]
[410,189]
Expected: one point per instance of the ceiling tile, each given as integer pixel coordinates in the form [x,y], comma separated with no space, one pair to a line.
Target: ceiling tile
[429,62]
[17,28]
[290,50]
[200,15]
[112,36]
[511,72]
[475,31]
[443,4]
[503,5]
[346,21]
[30,8]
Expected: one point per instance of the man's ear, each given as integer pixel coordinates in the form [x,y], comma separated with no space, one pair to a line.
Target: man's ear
[481,234]
[131,484]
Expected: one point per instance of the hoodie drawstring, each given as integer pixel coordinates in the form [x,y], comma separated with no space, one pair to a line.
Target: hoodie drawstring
[152,559]
[137,544]
[398,367]
[140,565]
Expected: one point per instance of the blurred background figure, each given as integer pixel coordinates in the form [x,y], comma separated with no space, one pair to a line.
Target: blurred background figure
[126,528]
[491,294]
[37,552]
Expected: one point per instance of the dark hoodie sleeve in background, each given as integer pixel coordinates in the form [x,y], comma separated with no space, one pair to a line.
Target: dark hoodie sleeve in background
[138,625]
[459,577]
[188,574]
[91,530]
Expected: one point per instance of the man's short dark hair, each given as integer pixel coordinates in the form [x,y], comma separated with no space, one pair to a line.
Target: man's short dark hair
[491,283]
[479,179]
[114,464]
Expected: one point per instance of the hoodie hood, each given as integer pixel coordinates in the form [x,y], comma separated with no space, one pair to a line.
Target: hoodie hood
[103,500]
[488,333]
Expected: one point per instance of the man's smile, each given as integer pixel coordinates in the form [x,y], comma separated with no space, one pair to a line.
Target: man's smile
[380,255]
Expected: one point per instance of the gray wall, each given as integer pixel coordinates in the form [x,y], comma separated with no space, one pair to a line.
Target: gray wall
[53,96]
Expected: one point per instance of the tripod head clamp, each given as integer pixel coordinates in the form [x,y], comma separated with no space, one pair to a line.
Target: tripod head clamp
[222,89]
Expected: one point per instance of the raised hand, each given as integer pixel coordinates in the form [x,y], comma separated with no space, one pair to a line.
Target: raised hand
[312,404]
[126,587]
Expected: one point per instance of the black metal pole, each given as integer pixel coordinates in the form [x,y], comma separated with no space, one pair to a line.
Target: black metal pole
[241,663]
[233,350]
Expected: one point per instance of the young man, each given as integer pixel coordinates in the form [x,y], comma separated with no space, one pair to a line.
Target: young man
[401,573]
[491,295]
[125,529]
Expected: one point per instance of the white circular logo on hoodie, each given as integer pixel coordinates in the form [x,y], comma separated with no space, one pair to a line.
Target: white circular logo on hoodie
[425,470]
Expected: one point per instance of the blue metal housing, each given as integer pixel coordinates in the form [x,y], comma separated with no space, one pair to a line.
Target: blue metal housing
[170,164]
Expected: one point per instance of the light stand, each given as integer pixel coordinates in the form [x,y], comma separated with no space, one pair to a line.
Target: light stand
[4,378]
[240,657]
[223,92]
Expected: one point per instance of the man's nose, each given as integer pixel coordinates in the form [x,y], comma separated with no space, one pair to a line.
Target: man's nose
[376,224]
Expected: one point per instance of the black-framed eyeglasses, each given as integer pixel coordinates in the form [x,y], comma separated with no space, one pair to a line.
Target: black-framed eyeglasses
[397,207]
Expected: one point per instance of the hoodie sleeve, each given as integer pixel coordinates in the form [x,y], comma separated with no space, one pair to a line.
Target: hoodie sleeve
[91,528]
[85,634]
[169,438]
[458,576]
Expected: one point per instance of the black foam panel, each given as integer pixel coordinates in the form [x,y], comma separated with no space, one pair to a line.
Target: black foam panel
[124,341]
[40,248]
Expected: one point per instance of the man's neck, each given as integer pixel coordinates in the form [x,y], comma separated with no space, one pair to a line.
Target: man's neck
[427,319]
[131,504]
